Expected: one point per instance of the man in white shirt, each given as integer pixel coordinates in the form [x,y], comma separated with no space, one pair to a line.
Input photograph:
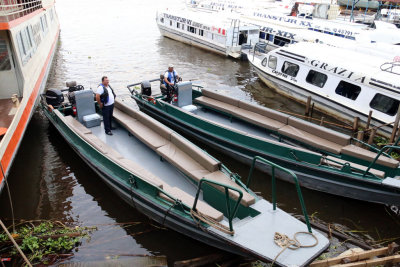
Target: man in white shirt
[105,98]
[171,77]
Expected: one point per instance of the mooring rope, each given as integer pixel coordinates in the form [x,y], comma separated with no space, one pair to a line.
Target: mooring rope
[285,242]
[210,221]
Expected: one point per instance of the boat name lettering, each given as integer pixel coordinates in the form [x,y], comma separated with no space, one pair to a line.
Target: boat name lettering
[179,19]
[338,70]
[308,24]
[278,32]
[187,21]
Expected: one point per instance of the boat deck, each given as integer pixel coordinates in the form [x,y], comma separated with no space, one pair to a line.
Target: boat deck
[133,149]
[7,112]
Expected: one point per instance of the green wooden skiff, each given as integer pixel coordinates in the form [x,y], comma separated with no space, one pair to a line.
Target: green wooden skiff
[322,159]
[180,186]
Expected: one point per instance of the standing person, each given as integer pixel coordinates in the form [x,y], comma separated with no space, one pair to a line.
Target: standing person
[171,77]
[105,98]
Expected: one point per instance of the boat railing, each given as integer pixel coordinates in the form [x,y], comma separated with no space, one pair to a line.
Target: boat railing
[292,174]
[381,151]
[14,9]
[230,214]
[391,67]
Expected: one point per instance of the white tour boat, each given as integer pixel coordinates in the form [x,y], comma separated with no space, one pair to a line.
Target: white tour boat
[341,82]
[219,34]
[29,32]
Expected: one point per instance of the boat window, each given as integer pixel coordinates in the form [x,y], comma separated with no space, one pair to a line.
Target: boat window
[270,37]
[385,104]
[290,69]
[272,62]
[201,32]
[4,57]
[264,62]
[262,35]
[316,78]
[348,90]
[25,43]
[51,14]
[281,41]
[43,23]
[191,29]
[178,25]
[183,26]
[170,23]
[162,20]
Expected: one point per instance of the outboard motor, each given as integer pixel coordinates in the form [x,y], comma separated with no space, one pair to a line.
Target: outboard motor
[145,88]
[54,97]
[72,88]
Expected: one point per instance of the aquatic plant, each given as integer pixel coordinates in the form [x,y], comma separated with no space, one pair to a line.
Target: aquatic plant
[43,241]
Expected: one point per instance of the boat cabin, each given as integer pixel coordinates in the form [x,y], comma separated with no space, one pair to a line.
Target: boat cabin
[348,78]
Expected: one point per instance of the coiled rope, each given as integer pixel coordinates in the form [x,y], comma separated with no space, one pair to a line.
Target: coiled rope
[285,242]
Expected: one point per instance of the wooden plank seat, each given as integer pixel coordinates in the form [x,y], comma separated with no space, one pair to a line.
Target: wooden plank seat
[195,163]
[187,199]
[240,113]
[327,162]
[367,155]
[139,130]
[178,151]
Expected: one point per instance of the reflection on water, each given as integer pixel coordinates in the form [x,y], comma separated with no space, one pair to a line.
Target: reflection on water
[120,39]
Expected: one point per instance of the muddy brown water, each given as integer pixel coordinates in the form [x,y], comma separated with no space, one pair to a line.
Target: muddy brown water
[120,39]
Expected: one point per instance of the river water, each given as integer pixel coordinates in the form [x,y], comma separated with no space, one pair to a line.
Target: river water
[120,39]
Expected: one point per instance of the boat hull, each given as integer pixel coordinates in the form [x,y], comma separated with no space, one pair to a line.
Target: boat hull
[322,104]
[312,177]
[190,40]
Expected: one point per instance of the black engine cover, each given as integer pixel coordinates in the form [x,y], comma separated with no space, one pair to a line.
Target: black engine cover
[54,97]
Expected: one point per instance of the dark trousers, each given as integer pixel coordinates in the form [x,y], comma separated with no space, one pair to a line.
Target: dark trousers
[107,116]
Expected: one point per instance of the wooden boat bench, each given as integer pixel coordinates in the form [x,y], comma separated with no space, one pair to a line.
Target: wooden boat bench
[188,158]
[290,126]
[263,117]
[315,135]
[136,169]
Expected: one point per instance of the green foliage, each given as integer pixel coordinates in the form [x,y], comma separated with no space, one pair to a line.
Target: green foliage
[395,155]
[46,238]
[380,141]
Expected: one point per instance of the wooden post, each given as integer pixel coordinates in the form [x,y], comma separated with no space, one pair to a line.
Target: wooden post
[322,121]
[360,136]
[312,110]
[371,136]
[369,120]
[395,126]
[308,106]
[355,124]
